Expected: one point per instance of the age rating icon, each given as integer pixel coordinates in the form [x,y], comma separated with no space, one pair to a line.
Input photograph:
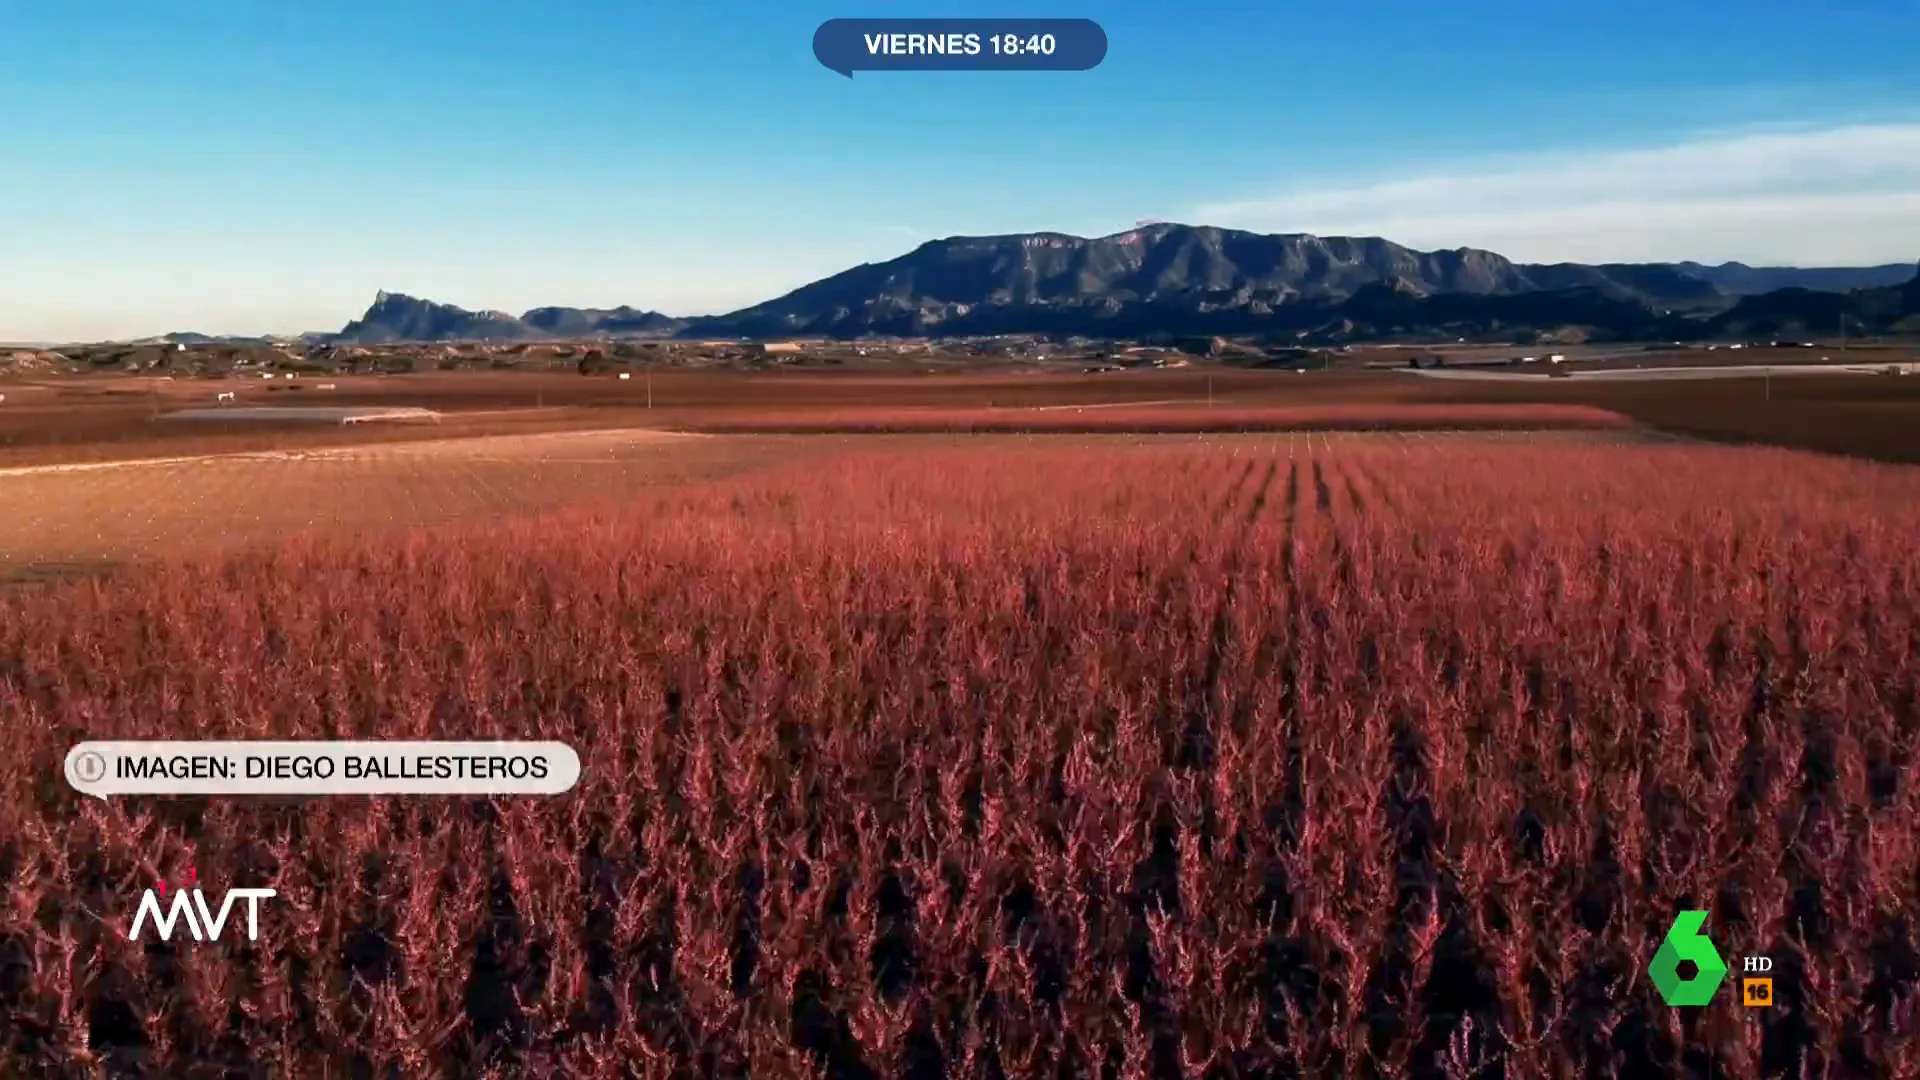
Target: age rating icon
[1756,993]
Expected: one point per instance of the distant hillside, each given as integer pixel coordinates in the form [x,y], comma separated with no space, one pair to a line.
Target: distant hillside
[397,317]
[1654,284]
[1185,279]
[1181,278]
[623,321]
[1739,279]
[1806,312]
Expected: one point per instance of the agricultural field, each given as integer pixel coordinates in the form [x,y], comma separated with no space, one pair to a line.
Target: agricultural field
[1302,753]
[92,418]
[56,520]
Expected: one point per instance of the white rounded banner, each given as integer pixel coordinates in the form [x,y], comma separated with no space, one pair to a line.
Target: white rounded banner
[102,769]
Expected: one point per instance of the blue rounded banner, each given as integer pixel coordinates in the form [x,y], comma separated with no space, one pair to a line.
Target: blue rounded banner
[850,45]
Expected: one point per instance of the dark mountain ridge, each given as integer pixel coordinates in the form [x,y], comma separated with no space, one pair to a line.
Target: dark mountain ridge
[1167,277]
[397,317]
[1185,279]
[1739,279]
[1051,277]
[622,321]
[1799,311]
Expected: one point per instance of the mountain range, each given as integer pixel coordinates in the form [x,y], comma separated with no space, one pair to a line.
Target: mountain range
[396,317]
[1175,278]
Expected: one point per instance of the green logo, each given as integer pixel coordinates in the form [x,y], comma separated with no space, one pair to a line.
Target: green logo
[1685,942]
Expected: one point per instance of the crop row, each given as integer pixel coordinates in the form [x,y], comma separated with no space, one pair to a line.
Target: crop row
[1308,755]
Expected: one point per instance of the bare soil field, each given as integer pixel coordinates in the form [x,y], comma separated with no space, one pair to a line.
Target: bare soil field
[1867,416]
[106,417]
[1165,416]
[1629,355]
[1819,355]
[57,519]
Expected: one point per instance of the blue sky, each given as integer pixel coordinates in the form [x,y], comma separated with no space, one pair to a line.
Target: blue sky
[265,166]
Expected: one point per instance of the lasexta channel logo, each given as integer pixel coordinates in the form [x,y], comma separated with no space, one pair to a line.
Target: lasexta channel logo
[1687,969]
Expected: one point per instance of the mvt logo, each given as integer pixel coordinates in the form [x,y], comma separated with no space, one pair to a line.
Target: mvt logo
[190,905]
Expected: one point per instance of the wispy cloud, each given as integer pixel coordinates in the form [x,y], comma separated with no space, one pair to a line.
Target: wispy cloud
[1834,195]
